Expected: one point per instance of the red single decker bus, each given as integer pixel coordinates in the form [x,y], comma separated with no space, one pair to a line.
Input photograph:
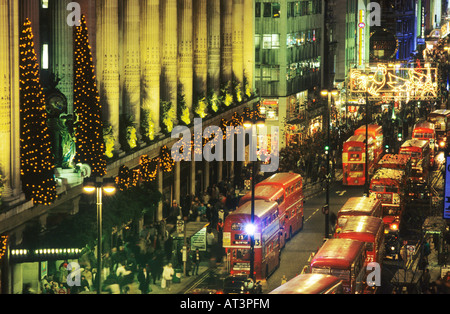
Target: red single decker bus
[354,159]
[290,203]
[344,259]
[311,284]
[237,238]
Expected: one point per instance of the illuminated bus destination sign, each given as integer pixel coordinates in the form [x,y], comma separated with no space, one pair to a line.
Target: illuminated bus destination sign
[392,82]
[446,213]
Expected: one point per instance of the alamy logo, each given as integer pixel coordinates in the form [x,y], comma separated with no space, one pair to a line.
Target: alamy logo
[74,17]
[213,149]
[74,277]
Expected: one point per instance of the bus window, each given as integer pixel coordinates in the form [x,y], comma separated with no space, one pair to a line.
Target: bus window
[280,199]
[392,189]
[378,188]
[343,274]
[242,253]
[237,226]
[355,149]
[356,167]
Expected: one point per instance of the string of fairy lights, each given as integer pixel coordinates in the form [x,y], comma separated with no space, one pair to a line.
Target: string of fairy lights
[90,145]
[36,158]
[149,167]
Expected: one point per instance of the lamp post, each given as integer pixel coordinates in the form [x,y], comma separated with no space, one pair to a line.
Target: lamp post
[329,94]
[366,166]
[99,185]
[251,122]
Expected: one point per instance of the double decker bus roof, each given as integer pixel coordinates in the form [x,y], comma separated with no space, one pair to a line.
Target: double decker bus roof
[359,205]
[394,159]
[308,284]
[337,254]
[440,112]
[282,179]
[385,173]
[424,125]
[414,143]
[371,130]
[262,207]
[361,228]
[263,192]
[356,138]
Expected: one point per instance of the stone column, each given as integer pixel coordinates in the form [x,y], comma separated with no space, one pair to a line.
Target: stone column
[249,43]
[200,46]
[5,101]
[108,63]
[131,85]
[227,44]
[14,34]
[150,61]
[169,51]
[185,52]
[214,43]
[238,41]
[61,50]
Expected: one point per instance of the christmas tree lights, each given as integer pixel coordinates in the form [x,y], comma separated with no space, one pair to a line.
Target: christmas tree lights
[89,126]
[36,158]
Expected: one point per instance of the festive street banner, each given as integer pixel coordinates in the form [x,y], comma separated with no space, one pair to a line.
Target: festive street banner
[394,82]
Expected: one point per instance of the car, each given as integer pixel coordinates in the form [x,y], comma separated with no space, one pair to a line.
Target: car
[241,284]
[419,192]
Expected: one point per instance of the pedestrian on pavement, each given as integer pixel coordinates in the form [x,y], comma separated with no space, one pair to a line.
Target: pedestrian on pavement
[144,280]
[196,262]
[167,276]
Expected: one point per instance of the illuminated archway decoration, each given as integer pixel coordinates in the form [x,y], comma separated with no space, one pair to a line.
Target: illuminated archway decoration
[389,82]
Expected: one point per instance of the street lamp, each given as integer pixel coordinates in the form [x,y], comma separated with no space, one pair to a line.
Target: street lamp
[326,210]
[254,119]
[100,186]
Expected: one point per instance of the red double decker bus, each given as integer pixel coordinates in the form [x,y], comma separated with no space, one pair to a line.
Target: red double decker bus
[290,199]
[425,131]
[354,159]
[389,186]
[344,259]
[441,120]
[375,132]
[420,154]
[236,239]
[358,206]
[367,229]
[311,284]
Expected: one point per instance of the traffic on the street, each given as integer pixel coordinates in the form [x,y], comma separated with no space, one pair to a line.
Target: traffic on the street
[375,241]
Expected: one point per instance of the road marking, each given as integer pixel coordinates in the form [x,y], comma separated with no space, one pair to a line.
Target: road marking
[312,214]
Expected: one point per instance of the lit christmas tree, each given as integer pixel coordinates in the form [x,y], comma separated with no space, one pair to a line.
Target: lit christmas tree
[36,158]
[89,126]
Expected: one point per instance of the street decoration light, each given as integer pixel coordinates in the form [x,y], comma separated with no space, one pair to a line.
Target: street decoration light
[99,186]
